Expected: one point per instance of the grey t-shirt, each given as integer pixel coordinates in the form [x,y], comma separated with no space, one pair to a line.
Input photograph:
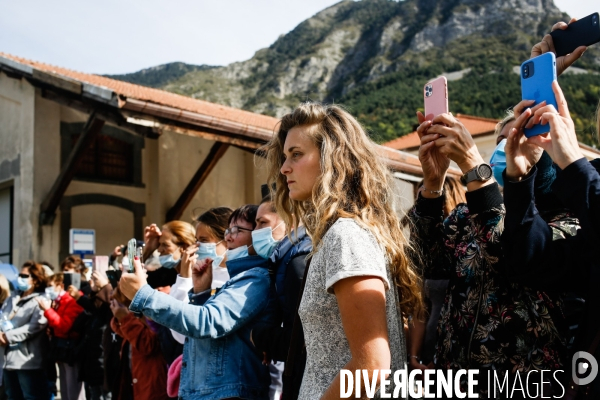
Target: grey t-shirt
[347,251]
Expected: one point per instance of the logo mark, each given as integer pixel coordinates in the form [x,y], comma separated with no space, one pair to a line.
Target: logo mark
[584,367]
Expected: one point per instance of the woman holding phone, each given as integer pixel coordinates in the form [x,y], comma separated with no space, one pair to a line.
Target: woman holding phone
[487,322]
[219,360]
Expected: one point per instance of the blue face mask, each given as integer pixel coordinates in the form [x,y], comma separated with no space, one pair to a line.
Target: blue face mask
[263,241]
[23,284]
[209,250]
[167,261]
[240,252]
[51,293]
[498,162]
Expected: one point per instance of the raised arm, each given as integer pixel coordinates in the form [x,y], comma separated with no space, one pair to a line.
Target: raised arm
[222,314]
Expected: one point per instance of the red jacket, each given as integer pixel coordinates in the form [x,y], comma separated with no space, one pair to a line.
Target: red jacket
[62,315]
[148,365]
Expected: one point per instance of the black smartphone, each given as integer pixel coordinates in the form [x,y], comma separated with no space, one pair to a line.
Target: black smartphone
[584,32]
[113,277]
[72,278]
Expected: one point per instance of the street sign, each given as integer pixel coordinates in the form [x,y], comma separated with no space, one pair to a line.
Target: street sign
[82,241]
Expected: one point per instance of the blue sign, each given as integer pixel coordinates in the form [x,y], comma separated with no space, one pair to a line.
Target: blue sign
[82,241]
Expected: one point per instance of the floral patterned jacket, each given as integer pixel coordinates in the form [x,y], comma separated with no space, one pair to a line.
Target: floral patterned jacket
[488,321]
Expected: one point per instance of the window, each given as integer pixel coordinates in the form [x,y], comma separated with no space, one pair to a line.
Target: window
[114,157]
[6,225]
[107,158]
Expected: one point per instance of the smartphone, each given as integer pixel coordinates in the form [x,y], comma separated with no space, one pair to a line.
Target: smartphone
[131,253]
[584,32]
[113,277]
[100,264]
[72,278]
[537,76]
[435,95]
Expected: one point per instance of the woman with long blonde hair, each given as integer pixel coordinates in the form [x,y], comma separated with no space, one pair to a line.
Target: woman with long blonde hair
[329,176]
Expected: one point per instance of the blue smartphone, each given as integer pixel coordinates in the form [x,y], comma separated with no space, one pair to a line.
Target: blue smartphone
[537,76]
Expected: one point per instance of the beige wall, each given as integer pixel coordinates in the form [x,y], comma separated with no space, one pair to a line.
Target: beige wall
[113,225]
[233,182]
[16,159]
[30,129]
[30,132]
[46,167]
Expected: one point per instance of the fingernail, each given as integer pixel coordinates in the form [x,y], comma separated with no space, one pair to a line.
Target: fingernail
[136,258]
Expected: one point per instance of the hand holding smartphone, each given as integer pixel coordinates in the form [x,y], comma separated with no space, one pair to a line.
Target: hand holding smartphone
[584,32]
[537,75]
[131,253]
[435,95]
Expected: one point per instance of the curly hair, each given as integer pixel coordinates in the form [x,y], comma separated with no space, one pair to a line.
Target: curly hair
[454,194]
[354,183]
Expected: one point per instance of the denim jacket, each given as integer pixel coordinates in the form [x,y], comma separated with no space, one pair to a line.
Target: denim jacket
[219,361]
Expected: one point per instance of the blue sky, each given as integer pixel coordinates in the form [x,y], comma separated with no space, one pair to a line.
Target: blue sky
[118,36]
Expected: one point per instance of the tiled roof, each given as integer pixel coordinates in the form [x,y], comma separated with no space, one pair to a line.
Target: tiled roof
[157,96]
[475,125]
[140,98]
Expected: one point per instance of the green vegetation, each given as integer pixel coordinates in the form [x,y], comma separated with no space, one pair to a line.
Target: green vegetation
[161,75]
[387,107]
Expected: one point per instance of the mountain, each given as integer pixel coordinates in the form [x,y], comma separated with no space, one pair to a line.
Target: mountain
[374,56]
[160,75]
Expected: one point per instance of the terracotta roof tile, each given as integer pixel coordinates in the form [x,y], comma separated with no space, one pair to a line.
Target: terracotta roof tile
[475,125]
[157,96]
[396,159]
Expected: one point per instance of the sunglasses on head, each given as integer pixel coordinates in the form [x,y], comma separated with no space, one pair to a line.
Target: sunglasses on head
[24,276]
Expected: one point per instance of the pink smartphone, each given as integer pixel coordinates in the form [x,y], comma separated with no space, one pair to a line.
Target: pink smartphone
[435,94]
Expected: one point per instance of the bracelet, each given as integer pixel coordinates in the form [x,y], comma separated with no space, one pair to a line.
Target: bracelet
[414,357]
[438,192]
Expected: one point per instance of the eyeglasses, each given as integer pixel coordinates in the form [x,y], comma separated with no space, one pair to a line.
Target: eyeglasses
[24,276]
[234,230]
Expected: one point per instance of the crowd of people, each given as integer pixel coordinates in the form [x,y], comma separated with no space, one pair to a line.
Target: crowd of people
[272,301]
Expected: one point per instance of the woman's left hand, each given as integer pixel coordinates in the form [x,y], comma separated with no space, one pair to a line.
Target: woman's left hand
[188,260]
[561,142]
[455,142]
[521,155]
[131,282]
[202,275]
[118,309]
[74,292]
[44,304]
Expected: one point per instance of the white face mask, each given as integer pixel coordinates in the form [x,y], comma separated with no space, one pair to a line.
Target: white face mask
[240,252]
[51,293]
[209,250]
[263,241]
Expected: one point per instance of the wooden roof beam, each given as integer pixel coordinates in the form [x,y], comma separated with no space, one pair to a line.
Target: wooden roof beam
[214,155]
[90,131]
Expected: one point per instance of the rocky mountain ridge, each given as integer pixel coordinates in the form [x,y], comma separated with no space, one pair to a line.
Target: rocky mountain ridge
[375,55]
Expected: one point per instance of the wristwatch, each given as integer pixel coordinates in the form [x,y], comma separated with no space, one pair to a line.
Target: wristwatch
[482,172]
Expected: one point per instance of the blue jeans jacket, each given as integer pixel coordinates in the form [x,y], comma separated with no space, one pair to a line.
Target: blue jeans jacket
[219,361]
